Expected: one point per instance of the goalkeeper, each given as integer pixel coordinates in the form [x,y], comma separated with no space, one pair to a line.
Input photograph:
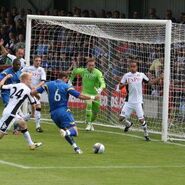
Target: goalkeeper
[92,84]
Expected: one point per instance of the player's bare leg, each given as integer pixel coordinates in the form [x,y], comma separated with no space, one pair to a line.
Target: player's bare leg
[126,122]
[68,134]
[23,127]
[144,127]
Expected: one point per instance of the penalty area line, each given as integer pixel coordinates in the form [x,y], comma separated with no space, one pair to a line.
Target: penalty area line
[14,164]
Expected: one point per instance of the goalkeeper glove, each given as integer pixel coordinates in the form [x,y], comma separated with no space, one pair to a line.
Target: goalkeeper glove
[99,90]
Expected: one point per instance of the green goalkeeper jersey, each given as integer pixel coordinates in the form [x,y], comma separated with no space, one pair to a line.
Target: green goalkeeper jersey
[91,80]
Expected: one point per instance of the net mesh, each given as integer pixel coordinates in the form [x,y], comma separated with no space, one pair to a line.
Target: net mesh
[65,45]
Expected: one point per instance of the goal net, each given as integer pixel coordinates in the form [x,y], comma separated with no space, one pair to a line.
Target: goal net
[66,43]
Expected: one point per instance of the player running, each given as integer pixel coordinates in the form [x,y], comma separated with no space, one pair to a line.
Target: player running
[15,74]
[133,81]
[58,94]
[38,79]
[18,54]
[92,83]
[18,94]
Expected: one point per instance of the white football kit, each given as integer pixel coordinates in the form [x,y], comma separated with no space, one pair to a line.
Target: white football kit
[18,94]
[38,75]
[22,60]
[134,98]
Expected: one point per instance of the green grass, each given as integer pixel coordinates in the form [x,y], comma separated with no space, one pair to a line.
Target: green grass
[127,160]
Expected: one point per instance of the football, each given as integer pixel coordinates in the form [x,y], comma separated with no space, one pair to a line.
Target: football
[98,148]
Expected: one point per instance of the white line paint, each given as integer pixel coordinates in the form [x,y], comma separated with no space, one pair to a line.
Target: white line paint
[108,167]
[14,164]
[88,167]
[128,135]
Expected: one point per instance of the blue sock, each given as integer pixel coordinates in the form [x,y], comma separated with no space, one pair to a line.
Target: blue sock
[71,132]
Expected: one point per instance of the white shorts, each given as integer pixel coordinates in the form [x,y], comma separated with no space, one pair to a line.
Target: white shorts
[7,120]
[129,108]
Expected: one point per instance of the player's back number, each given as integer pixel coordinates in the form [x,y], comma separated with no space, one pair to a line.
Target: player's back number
[57,96]
[17,93]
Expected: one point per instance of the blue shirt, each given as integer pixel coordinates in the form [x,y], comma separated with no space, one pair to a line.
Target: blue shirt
[14,80]
[58,93]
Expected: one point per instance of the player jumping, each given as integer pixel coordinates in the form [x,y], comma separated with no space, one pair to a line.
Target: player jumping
[38,79]
[133,81]
[58,94]
[18,94]
[93,83]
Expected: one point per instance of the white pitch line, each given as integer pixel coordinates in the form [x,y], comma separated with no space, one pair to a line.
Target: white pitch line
[128,135]
[88,167]
[14,164]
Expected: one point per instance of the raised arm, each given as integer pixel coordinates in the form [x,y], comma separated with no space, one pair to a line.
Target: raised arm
[4,79]
[4,52]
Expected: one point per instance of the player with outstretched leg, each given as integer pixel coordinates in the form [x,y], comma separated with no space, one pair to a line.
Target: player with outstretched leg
[58,94]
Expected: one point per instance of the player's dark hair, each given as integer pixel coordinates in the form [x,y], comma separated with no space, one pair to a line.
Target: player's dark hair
[63,74]
[134,62]
[37,56]
[15,61]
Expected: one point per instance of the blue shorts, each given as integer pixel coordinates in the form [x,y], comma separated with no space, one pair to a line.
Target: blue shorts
[63,118]
[5,97]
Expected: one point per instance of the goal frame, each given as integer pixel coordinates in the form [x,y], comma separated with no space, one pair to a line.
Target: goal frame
[167,57]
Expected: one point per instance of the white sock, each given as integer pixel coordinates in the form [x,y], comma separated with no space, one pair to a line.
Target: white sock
[144,127]
[28,138]
[74,145]
[128,123]
[37,118]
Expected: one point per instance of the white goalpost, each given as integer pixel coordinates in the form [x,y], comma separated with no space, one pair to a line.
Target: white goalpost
[65,42]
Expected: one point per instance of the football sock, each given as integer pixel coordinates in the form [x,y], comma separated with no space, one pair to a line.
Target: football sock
[144,127]
[71,141]
[27,137]
[37,117]
[127,123]
[71,132]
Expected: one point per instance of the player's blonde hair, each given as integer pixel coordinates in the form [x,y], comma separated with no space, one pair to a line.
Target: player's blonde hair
[24,76]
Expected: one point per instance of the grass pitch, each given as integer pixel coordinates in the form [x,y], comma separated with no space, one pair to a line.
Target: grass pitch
[127,160]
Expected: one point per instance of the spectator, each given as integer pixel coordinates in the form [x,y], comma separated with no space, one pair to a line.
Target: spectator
[152,14]
[116,14]
[21,42]
[135,15]
[21,16]
[108,14]
[85,13]
[92,13]
[12,41]
[77,12]
[182,18]
[169,15]
[20,27]
[14,12]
